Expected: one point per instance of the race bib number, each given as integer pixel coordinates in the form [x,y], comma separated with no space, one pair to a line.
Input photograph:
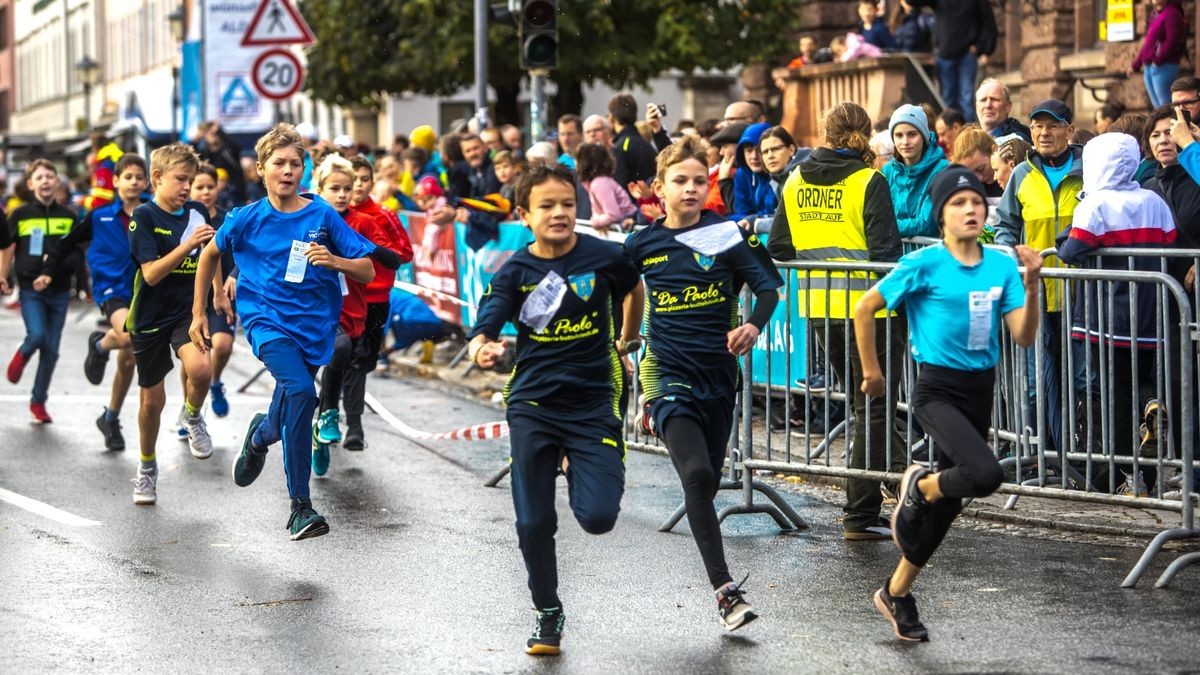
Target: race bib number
[979,336]
[345,287]
[297,262]
[37,242]
[539,308]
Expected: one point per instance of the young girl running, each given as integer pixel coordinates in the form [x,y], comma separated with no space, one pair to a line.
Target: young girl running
[288,250]
[568,296]
[694,264]
[955,294]
[204,190]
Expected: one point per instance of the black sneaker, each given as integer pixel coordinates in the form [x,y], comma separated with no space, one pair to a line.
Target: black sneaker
[249,464]
[910,510]
[902,613]
[305,523]
[353,441]
[733,608]
[95,361]
[547,633]
[113,438]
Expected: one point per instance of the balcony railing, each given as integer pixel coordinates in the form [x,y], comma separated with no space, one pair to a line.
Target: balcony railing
[877,84]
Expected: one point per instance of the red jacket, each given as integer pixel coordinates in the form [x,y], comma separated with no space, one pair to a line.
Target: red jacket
[389,234]
[354,303]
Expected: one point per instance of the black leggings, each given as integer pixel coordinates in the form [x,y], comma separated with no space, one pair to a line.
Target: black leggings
[698,453]
[955,407]
[334,375]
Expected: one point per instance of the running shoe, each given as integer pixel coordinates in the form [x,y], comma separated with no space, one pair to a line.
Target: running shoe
[40,415]
[909,513]
[181,431]
[328,423]
[902,614]
[249,464]
[220,404]
[16,367]
[876,532]
[320,454]
[113,438]
[733,608]
[145,485]
[644,421]
[197,432]
[305,522]
[547,633]
[1133,486]
[96,360]
[354,441]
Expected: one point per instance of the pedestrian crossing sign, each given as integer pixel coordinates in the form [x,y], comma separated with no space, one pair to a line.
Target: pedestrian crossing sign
[276,22]
[237,98]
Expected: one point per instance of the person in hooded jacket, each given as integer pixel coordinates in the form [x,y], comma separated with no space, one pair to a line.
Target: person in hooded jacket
[917,159]
[1116,212]
[837,208]
[753,195]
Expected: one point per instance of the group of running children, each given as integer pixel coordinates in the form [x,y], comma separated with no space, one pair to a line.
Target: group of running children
[304,265]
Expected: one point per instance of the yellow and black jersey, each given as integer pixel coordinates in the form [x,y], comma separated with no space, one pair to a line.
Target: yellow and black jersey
[154,233]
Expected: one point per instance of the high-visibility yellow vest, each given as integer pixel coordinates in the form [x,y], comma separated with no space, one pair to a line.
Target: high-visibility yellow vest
[826,224]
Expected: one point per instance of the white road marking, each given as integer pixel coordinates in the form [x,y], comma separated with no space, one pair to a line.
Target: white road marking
[45,510]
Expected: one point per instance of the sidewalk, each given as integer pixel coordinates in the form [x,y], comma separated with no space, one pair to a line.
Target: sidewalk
[1032,516]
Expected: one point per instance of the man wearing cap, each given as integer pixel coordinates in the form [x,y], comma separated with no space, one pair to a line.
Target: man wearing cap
[993,105]
[1038,203]
[720,177]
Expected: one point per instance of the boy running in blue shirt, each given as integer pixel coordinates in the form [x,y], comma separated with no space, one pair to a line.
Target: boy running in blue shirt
[165,237]
[288,250]
[105,232]
[955,294]
[568,295]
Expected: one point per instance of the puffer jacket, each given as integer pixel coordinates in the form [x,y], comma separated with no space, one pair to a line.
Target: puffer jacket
[909,186]
[753,194]
[1116,212]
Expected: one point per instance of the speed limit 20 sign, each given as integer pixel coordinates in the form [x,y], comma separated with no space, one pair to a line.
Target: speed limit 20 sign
[277,74]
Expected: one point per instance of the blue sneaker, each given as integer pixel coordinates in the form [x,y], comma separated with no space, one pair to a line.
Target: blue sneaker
[220,404]
[328,430]
[320,454]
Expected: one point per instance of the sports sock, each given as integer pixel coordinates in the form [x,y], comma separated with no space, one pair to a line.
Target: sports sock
[148,463]
[111,415]
[256,445]
[100,346]
[192,410]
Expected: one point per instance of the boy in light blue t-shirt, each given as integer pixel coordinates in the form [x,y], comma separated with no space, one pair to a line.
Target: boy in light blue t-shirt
[289,251]
[955,294]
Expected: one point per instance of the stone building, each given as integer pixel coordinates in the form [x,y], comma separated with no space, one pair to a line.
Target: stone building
[1046,48]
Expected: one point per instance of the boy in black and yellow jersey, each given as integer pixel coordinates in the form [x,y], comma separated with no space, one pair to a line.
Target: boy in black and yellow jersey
[569,297]
[165,238]
[695,264]
[35,228]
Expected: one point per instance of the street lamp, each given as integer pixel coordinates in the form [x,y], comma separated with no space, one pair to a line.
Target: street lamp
[175,19]
[88,70]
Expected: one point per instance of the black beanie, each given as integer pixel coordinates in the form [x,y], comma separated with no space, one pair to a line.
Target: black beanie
[952,179]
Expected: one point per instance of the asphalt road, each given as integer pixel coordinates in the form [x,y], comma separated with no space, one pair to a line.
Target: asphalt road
[421,572]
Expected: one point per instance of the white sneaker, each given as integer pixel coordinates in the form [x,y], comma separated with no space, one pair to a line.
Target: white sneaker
[198,439]
[145,485]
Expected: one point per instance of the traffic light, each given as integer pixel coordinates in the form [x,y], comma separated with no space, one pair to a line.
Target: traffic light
[539,34]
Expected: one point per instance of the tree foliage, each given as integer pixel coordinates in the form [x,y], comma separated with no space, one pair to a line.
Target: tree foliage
[427,46]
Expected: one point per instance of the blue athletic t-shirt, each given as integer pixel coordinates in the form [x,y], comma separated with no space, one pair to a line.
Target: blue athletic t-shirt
[954,310]
[272,307]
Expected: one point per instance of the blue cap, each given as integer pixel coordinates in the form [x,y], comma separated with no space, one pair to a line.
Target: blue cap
[1055,108]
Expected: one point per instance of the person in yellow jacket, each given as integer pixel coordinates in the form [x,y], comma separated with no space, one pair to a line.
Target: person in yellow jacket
[836,207]
[1038,203]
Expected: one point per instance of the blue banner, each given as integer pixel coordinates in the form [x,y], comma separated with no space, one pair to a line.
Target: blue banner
[476,268]
[785,332]
[191,93]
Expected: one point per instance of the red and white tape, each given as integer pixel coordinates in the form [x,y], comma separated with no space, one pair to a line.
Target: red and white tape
[421,291]
[477,432]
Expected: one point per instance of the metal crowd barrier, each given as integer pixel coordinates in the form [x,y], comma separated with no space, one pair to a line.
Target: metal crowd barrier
[1091,452]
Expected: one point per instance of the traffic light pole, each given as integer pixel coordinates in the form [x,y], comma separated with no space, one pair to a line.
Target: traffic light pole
[537,103]
[481,64]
